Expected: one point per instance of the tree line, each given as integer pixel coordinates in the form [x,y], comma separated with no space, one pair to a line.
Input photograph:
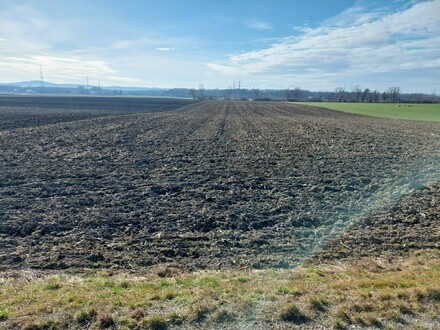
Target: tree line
[356,94]
[297,94]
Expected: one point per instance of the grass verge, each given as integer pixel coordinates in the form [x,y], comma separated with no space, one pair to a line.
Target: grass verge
[370,292]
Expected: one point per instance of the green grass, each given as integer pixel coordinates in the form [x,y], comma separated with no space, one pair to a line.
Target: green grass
[343,294]
[424,112]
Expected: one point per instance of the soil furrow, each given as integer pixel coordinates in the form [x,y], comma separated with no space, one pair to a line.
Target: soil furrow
[215,184]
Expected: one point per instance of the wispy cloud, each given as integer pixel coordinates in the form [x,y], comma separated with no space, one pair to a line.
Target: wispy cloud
[68,69]
[259,25]
[165,49]
[358,42]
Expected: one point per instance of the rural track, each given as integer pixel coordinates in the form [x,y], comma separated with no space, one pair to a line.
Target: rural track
[215,184]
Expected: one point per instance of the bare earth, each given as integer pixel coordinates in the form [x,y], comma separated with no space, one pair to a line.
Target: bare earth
[210,185]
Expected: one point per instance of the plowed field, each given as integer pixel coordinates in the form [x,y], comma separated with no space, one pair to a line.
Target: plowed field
[216,184]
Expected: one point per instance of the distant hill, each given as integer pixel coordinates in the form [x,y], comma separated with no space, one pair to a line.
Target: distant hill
[37,83]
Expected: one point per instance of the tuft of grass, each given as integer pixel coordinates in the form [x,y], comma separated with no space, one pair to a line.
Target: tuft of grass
[223,316]
[86,316]
[124,284]
[339,325]
[434,294]
[210,281]
[4,314]
[52,286]
[106,321]
[291,313]
[154,322]
[138,313]
[176,318]
[243,279]
[169,295]
[167,272]
[42,325]
[199,312]
[318,303]
[343,316]
[404,309]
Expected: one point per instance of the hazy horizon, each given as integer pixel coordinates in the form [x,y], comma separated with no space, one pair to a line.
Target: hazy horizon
[317,45]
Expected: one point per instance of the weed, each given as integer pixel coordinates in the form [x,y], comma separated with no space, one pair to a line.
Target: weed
[4,314]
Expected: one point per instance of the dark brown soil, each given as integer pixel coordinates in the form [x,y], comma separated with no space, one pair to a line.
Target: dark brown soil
[216,184]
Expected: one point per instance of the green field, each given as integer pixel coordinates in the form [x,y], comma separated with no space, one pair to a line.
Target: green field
[425,112]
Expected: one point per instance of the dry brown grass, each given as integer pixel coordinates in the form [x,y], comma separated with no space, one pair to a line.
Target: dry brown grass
[378,294]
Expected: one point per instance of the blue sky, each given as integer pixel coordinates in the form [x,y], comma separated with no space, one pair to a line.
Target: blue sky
[317,45]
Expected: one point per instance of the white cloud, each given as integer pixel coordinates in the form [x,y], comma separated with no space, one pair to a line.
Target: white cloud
[259,25]
[365,42]
[56,68]
[165,49]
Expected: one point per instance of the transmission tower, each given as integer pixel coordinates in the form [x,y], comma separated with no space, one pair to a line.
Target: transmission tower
[41,80]
[239,88]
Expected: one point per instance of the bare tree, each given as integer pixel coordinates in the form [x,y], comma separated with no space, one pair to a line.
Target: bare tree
[297,94]
[201,92]
[288,94]
[393,93]
[375,96]
[257,94]
[357,91]
[340,94]
[193,93]
[366,95]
